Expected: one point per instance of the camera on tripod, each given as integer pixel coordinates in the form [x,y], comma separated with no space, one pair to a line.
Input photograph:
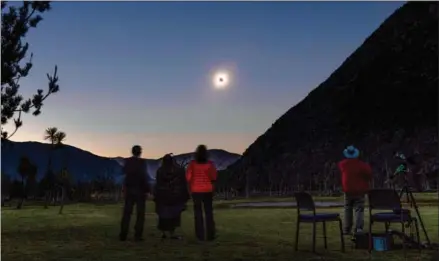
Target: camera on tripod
[407,170]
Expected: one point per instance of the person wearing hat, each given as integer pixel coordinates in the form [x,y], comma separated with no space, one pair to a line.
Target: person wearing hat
[356,176]
[136,187]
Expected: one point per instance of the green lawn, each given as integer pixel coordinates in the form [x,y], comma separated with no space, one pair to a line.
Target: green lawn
[421,198]
[89,232]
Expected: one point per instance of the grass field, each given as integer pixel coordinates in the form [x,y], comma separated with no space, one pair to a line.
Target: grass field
[89,232]
[422,198]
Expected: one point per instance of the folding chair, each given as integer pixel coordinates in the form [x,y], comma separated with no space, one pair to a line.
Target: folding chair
[388,199]
[306,203]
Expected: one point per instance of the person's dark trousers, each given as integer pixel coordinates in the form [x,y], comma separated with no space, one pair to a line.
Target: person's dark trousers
[132,199]
[204,200]
[353,202]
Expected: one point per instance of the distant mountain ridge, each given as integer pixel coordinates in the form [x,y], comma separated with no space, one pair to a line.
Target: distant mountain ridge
[84,165]
[221,158]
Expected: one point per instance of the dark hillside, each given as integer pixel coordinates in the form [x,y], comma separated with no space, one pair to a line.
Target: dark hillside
[383,98]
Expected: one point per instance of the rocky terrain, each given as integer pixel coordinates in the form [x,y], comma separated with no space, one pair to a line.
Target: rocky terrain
[382,99]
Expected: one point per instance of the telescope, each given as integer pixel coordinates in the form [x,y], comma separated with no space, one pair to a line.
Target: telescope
[408,170]
[403,171]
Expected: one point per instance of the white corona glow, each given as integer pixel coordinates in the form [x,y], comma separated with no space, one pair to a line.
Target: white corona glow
[221,80]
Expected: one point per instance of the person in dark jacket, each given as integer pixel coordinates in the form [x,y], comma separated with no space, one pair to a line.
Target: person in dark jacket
[201,175]
[136,187]
[171,195]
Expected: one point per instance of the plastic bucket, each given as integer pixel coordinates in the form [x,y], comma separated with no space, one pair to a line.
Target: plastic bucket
[380,243]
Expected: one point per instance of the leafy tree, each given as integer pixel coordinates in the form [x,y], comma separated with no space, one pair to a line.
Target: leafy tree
[16,63]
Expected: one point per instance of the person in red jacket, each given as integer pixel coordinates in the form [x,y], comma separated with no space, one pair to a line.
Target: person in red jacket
[201,174]
[356,176]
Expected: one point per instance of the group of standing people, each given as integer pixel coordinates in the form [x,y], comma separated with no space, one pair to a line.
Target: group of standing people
[175,186]
[173,189]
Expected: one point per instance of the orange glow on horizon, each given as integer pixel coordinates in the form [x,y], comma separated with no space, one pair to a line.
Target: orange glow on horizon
[154,145]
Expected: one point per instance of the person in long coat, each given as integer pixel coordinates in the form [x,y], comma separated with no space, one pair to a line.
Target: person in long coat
[171,195]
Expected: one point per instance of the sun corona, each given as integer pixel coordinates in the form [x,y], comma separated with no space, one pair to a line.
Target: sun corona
[221,80]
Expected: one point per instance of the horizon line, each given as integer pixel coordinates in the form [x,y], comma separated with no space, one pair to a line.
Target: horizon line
[113,157]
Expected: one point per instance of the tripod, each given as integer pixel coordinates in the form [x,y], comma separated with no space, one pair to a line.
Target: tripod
[410,199]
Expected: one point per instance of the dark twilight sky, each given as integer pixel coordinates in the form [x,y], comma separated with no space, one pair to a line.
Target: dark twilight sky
[142,72]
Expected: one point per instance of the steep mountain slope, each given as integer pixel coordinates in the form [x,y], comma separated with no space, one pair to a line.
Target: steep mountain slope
[84,165]
[383,98]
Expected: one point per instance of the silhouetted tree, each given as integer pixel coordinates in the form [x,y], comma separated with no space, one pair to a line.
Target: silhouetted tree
[6,188]
[31,181]
[64,178]
[16,189]
[64,183]
[50,135]
[83,191]
[183,163]
[56,139]
[222,185]
[47,185]
[49,179]
[25,169]
[16,22]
